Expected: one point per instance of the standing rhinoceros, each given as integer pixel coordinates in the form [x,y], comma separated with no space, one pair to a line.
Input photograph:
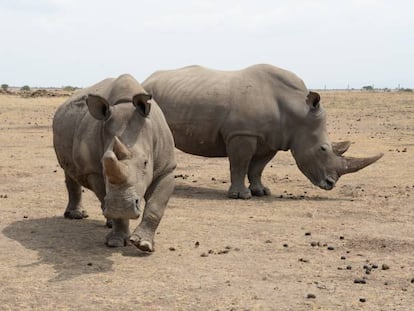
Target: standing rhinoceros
[113,139]
[249,115]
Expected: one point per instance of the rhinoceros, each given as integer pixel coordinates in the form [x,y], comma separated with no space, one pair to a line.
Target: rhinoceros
[247,116]
[112,138]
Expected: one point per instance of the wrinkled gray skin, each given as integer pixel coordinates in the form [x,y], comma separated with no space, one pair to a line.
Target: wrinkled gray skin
[113,139]
[248,116]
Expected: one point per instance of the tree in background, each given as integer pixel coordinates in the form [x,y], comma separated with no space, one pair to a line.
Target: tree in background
[368,88]
[25,88]
[69,88]
[4,87]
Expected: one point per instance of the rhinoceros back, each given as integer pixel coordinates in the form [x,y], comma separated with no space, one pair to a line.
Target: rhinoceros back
[195,104]
[206,108]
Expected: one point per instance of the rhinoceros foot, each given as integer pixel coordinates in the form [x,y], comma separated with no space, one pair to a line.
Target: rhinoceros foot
[259,191]
[239,193]
[75,214]
[117,239]
[142,244]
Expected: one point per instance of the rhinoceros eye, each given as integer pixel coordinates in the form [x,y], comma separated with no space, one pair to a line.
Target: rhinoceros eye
[145,163]
[323,148]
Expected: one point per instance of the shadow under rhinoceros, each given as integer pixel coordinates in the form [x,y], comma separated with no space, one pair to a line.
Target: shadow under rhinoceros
[72,247]
[205,193]
[199,192]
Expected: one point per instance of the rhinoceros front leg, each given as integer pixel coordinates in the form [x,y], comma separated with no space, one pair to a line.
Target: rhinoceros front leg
[157,197]
[97,184]
[256,168]
[240,150]
[119,234]
[73,209]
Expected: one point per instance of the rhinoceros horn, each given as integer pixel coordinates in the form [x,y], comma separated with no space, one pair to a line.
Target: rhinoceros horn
[340,147]
[121,151]
[114,169]
[351,165]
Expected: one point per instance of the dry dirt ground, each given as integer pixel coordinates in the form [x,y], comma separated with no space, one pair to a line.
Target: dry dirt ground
[213,253]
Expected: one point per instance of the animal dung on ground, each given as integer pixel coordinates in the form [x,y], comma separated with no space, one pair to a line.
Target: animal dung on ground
[360,281]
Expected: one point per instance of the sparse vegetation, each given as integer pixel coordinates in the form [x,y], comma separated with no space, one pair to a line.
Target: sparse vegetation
[25,88]
[69,88]
[405,90]
[4,87]
[368,88]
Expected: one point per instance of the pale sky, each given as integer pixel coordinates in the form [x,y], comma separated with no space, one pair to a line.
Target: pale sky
[327,43]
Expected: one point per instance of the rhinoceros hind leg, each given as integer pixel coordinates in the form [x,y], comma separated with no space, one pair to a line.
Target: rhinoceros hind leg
[260,191]
[256,168]
[240,150]
[73,209]
[119,235]
[238,193]
[75,214]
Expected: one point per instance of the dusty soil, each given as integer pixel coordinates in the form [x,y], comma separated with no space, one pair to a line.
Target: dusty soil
[213,253]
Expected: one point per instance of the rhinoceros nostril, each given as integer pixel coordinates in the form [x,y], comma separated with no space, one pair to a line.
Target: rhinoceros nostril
[329,183]
[136,207]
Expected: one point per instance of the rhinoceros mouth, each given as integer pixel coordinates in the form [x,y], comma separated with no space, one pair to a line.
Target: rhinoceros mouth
[132,212]
[327,184]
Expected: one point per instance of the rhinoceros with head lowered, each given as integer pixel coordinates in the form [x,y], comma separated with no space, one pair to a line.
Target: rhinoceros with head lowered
[112,138]
[248,116]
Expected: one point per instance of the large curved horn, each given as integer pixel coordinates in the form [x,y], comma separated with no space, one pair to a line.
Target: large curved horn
[121,151]
[351,165]
[340,147]
[114,169]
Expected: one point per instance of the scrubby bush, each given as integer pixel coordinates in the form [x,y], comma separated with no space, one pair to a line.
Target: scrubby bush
[25,88]
[368,88]
[69,88]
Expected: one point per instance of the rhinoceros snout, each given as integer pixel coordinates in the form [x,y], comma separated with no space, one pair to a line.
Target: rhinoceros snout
[327,184]
[132,211]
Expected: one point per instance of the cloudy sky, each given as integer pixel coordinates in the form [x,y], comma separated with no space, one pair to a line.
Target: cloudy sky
[332,44]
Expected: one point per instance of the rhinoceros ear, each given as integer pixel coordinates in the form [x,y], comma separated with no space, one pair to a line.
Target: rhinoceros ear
[142,103]
[313,100]
[341,147]
[98,107]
